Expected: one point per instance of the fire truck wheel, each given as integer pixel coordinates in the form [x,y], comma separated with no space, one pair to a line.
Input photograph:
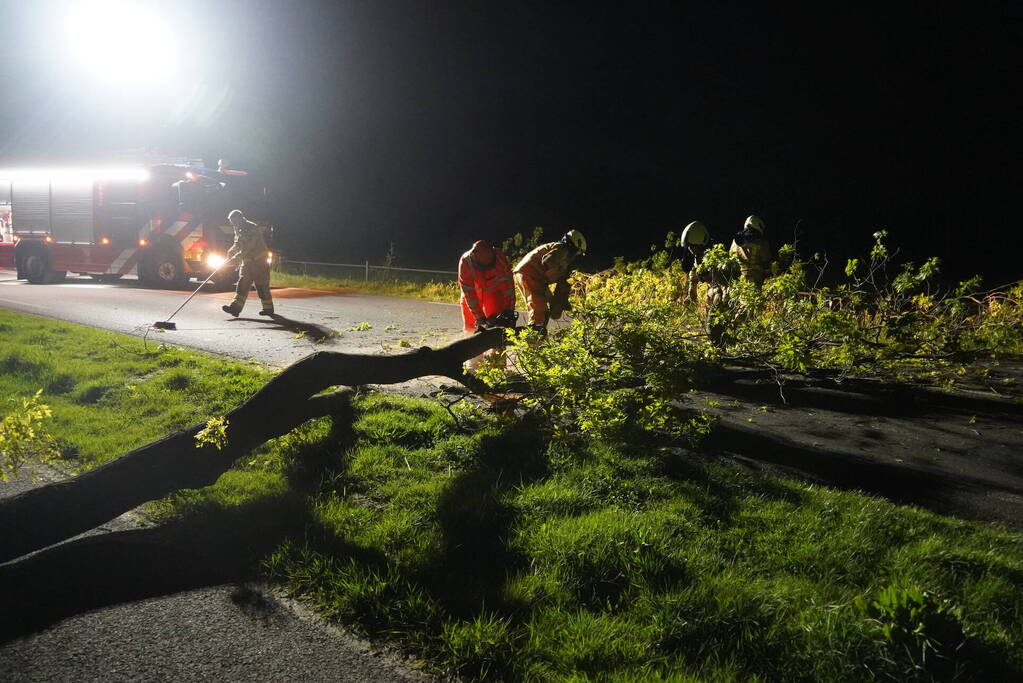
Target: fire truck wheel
[36,267]
[165,270]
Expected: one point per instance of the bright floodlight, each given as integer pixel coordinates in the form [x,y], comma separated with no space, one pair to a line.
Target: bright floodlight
[121,42]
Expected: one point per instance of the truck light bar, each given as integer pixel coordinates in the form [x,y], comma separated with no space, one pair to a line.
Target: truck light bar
[75,174]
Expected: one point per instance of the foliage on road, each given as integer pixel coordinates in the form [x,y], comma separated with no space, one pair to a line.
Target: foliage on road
[638,340]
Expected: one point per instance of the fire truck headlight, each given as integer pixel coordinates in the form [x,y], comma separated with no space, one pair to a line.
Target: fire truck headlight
[215,260]
[104,240]
[143,242]
[269,257]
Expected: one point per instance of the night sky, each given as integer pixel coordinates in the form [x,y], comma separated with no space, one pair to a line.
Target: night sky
[431,124]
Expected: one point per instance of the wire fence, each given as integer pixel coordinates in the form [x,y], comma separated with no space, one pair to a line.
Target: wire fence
[365,271]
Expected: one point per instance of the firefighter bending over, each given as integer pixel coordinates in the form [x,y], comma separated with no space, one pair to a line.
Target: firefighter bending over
[549,264]
[487,291]
[752,250]
[255,268]
[486,281]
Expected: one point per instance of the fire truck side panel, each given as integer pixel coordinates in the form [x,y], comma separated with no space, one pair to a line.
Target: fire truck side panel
[31,202]
[7,255]
[84,258]
[71,211]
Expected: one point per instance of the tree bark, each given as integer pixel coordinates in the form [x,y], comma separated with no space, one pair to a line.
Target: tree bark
[48,514]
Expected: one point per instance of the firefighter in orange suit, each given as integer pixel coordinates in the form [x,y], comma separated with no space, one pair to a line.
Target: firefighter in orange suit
[549,264]
[486,281]
[250,246]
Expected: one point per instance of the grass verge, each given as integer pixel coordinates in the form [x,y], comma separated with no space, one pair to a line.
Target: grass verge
[108,393]
[427,291]
[492,552]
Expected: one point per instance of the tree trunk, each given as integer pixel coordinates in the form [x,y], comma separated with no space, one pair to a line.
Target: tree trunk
[48,514]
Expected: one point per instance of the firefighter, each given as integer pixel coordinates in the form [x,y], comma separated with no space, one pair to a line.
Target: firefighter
[695,239]
[484,275]
[752,251]
[255,268]
[549,264]
[486,281]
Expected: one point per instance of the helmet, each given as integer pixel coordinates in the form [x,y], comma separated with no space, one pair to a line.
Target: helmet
[695,234]
[482,253]
[754,223]
[236,213]
[576,239]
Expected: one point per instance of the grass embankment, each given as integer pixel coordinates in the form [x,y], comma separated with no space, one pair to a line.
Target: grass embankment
[108,393]
[491,551]
[428,291]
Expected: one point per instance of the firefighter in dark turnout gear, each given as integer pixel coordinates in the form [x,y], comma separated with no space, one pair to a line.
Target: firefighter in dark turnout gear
[251,248]
[752,250]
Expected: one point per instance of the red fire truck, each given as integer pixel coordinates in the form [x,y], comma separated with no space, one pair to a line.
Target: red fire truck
[165,223]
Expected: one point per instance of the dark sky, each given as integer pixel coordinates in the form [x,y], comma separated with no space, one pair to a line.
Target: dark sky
[431,124]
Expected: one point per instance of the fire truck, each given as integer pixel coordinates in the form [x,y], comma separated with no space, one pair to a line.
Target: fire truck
[165,223]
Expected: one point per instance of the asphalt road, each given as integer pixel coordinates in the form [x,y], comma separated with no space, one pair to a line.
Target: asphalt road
[306,321]
[225,632]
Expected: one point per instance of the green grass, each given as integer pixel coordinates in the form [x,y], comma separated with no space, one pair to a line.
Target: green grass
[494,553]
[108,393]
[426,291]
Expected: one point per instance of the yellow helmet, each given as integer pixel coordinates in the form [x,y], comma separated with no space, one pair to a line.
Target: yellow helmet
[695,234]
[576,239]
[754,223]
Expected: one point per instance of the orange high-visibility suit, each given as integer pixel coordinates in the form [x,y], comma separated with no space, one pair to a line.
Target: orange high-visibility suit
[484,275]
[549,264]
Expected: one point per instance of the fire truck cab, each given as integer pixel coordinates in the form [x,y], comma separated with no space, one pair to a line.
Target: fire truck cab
[165,223]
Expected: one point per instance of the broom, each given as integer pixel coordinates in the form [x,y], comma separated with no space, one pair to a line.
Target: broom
[167,324]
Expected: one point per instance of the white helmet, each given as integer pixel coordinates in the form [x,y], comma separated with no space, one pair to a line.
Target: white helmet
[576,239]
[754,223]
[695,234]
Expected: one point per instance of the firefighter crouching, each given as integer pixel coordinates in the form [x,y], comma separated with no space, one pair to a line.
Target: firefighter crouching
[485,278]
[250,246]
[549,264]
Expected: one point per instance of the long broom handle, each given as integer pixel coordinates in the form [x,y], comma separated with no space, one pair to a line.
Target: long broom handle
[195,292]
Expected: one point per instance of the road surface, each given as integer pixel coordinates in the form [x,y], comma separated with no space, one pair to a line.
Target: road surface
[306,321]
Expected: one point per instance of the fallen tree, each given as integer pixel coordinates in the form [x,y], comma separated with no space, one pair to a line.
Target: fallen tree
[49,514]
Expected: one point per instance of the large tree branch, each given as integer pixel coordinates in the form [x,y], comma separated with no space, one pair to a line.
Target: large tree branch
[49,514]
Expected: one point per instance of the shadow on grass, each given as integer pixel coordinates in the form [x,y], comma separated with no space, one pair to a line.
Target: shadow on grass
[900,483]
[470,571]
[221,545]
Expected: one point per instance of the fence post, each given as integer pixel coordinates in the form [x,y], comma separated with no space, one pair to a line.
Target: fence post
[367,271]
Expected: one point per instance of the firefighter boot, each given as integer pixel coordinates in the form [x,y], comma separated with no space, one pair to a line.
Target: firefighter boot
[231,309]
[266,311]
